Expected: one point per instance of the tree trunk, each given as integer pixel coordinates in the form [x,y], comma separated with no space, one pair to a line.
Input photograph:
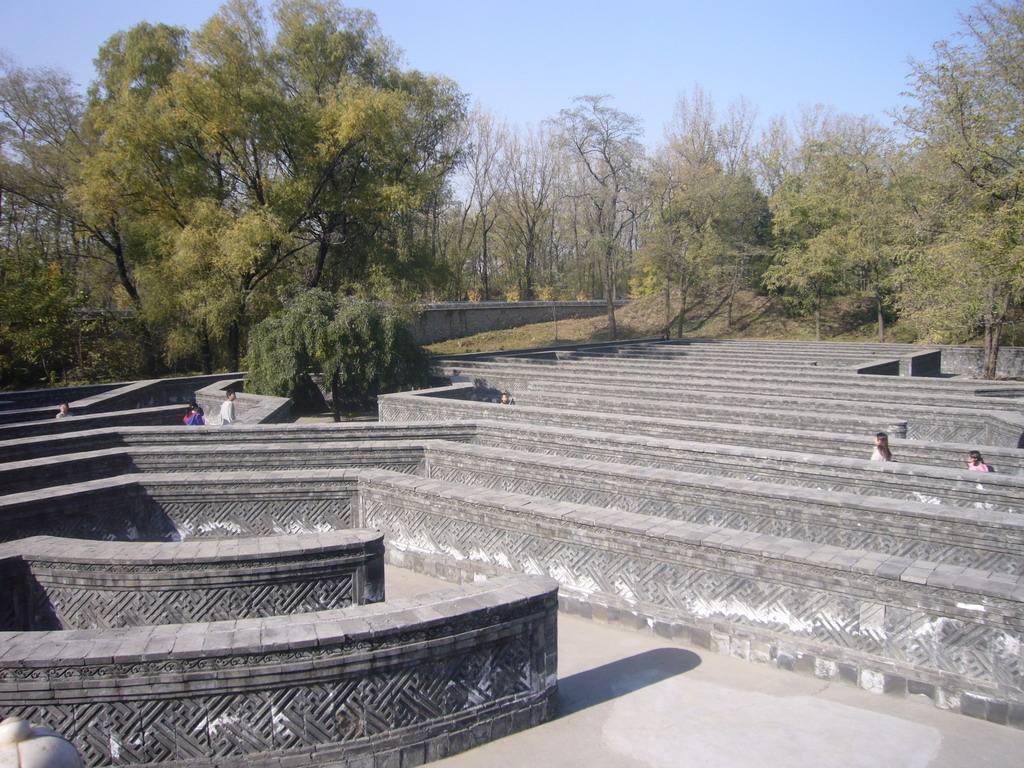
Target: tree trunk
[612,330]
[116,247]
[817,316]
[528,277]
[609,292]
[993,330]
[732,296]
[321,259]
[683,291]
[205,351]
[235,344]
[483,266]
[999,301]
[668,301]
[881,316]
[336,397]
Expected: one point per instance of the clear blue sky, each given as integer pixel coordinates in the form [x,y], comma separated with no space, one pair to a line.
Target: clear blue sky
[526,59]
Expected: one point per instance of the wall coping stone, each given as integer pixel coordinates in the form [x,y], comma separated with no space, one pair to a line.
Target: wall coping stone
[78,648]
[189,551]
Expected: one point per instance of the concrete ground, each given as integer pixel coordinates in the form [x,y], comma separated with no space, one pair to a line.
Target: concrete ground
[634,700]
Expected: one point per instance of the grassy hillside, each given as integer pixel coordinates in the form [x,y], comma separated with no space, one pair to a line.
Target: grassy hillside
[753,317]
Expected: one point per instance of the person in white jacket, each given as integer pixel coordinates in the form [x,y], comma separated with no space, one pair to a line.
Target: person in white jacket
[227,409]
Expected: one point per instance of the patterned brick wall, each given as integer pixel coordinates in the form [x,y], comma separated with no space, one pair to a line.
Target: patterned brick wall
[985,540]
[957,632]
[60,584]
[332,687]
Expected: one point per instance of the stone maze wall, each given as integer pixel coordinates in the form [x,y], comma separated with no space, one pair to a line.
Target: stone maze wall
[681,384]
[805,555]
[166,613]
[157,402]
[885,622]
[966,537]
[719,494]
[55,584]
[176,506]
[393,683]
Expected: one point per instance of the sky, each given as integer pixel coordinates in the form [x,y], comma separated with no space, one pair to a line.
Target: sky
[525,60]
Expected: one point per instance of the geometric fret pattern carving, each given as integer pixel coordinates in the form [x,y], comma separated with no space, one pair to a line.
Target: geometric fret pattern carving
[126,514]
[339,708]
[116,516]
[91,607]
[757,469]
[703,591]
[805,522]
[922,429]
[258,517]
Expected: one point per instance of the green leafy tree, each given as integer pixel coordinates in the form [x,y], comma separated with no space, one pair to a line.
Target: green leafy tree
[361,348]
[246,157]
[54,277]
[707,218]
[968,269]
[36,307]
[838,217]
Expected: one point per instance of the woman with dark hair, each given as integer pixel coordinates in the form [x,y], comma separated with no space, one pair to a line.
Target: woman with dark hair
[194,416]
[881,452]
[976,463]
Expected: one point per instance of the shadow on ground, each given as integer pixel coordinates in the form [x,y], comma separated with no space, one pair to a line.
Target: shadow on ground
[618,678]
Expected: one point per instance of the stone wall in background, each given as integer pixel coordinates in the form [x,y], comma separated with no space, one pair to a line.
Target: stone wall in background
[440,322]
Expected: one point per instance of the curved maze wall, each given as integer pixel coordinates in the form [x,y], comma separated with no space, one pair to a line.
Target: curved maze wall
[715,493]
[173,601]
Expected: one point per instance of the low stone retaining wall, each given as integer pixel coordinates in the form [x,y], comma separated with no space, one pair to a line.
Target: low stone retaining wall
[32,404]
[759,380]
[389,684]
[29,475]
[448,404]
[240,437]
[165,416]
[249,409]
[790,404]
[176,506]
[980,539]
[453,320]
[156,402]
[41,405]
[889,623]
[55,583]
[969,361]
[933,483]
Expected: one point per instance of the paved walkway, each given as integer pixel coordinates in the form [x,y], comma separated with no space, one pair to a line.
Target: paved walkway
[634,700]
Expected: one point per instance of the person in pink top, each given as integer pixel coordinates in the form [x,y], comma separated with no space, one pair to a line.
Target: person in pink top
[975,462]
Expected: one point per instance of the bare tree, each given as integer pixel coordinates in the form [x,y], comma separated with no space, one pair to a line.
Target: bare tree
[483,181]
[528,203]
[604,145]
[773,155]
[708,209]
